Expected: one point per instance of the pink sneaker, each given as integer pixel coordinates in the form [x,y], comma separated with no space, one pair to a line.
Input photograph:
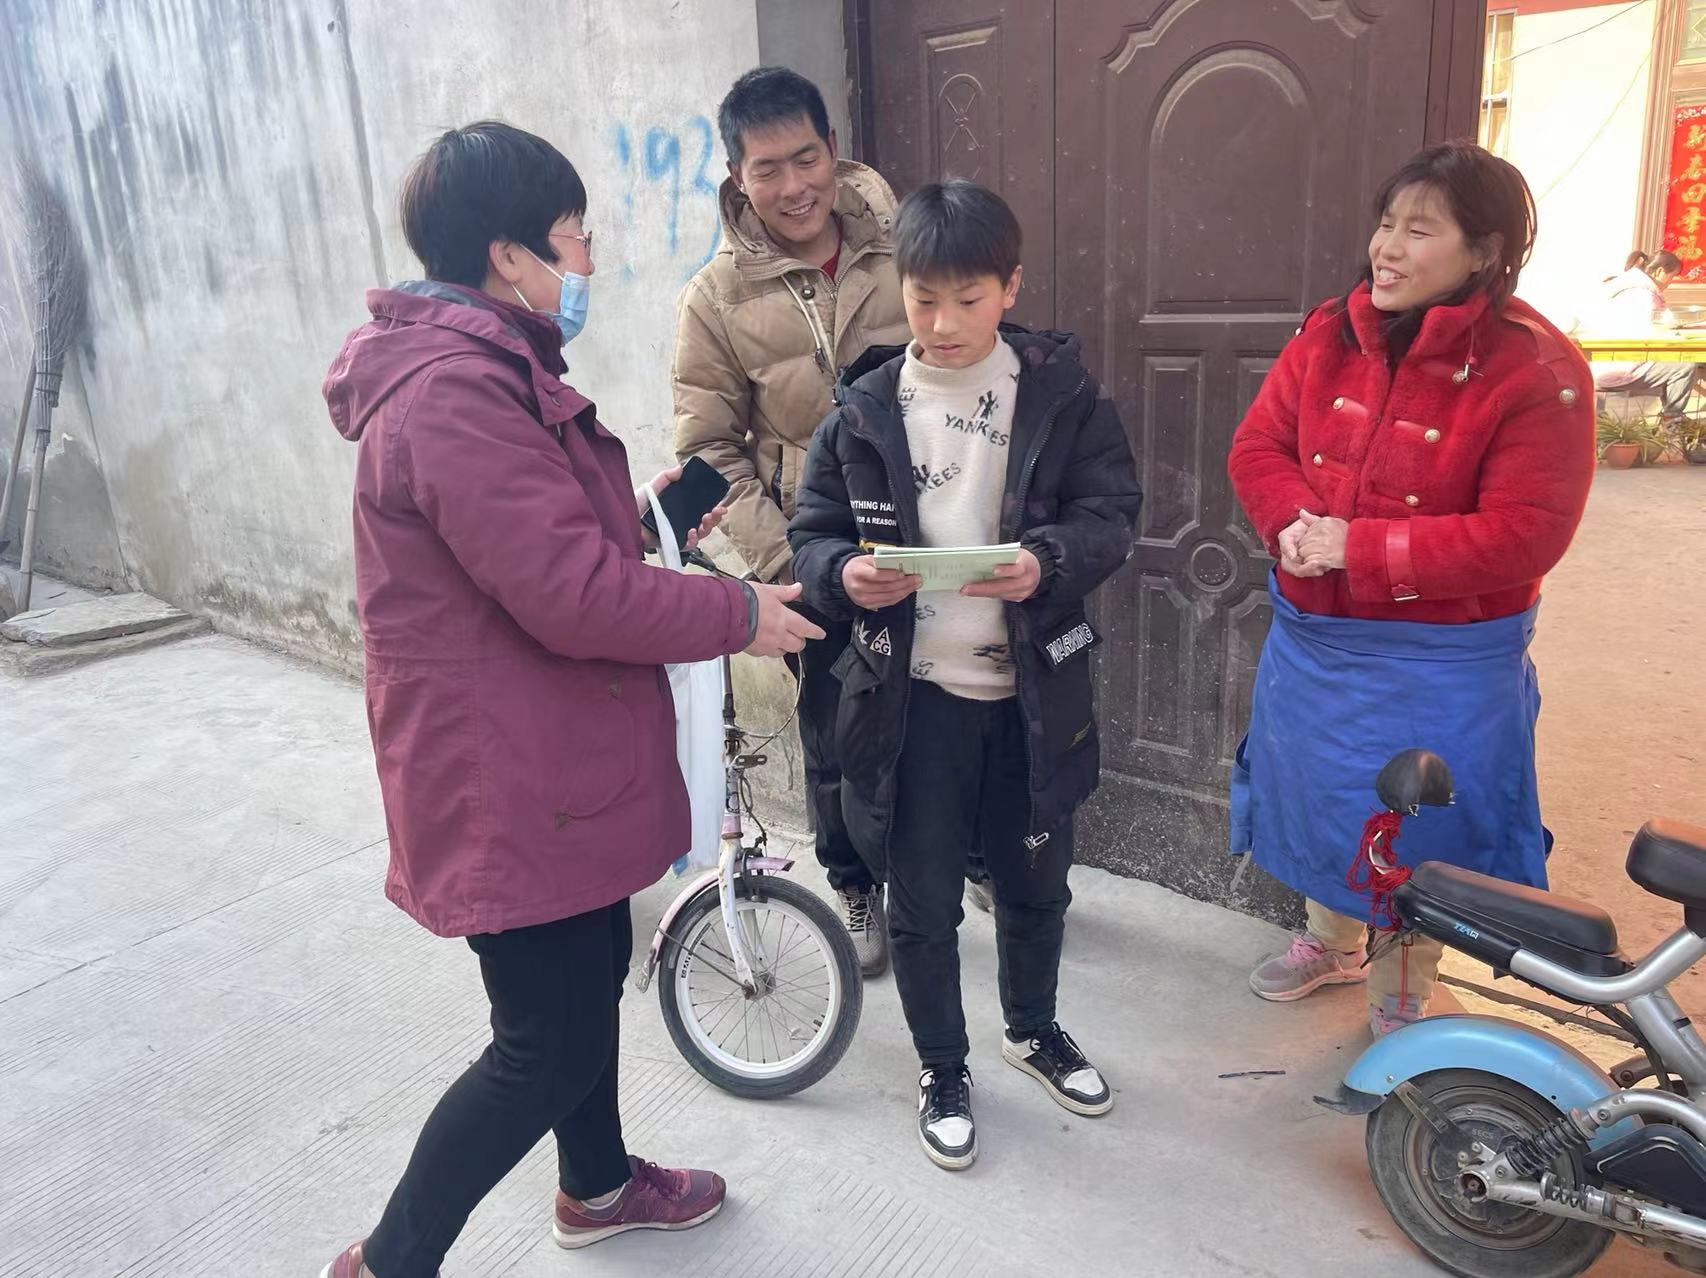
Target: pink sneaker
[1394,1013]
[655,1198]
[1305,968]
[347,1265]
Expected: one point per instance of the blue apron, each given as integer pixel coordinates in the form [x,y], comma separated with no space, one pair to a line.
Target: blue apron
[1337,697]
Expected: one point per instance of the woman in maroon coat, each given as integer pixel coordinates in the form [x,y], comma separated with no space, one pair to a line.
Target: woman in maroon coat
[1417,460]
[520,712]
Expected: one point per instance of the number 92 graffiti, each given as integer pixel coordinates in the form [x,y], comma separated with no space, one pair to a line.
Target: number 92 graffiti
[681,162]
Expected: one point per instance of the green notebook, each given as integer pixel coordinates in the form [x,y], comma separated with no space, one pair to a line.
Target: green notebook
[947,567]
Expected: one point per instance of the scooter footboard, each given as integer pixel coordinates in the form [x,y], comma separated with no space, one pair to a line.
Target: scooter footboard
[1547,1067]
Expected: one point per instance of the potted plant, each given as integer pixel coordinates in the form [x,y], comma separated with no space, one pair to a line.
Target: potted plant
[1690,435]
[1657,444]
[1624,438]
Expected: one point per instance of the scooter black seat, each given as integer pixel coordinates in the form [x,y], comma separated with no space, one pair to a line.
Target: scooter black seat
[1668,858]
[1572,933]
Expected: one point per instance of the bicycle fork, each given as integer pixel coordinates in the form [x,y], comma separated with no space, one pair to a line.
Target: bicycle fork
[732,865]
[735,861]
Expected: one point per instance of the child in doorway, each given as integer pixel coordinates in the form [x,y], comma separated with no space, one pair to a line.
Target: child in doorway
[966,716]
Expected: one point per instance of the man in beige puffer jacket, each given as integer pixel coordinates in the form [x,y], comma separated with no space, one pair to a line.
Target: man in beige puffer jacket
[801,285]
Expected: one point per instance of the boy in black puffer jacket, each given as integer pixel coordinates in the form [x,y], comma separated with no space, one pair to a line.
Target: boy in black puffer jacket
[966,719]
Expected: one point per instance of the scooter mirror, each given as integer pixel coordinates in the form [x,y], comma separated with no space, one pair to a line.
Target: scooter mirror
[1415,779]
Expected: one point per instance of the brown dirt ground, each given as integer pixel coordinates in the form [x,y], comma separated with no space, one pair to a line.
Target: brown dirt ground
[1621,650]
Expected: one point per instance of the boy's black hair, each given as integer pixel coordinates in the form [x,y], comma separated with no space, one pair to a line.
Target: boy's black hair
[483,182]
[956,230]
[1664,260]
[765,96]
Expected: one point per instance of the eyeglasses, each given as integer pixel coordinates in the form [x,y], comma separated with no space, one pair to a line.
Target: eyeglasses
[586,239]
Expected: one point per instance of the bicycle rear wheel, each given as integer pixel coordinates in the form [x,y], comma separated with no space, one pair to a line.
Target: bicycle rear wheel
[797,1026]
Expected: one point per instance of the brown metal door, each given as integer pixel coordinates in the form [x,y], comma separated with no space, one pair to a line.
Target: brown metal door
[1202,175]
[1224,169]
[961,89]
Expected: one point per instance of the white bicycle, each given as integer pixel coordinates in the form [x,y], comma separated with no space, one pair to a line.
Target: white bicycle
[759,982]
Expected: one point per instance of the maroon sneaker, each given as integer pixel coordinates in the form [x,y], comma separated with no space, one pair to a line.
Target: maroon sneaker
[347,1265]
[655,1198]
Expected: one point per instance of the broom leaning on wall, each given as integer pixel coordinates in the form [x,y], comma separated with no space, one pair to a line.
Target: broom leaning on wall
[9,605]
[58,304]
[17,450]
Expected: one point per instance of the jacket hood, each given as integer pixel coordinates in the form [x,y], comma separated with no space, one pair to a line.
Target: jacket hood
[864,202]
[1056,355]
[420,323]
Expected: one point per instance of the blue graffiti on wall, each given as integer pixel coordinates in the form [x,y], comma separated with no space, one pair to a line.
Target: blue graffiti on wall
[681,162]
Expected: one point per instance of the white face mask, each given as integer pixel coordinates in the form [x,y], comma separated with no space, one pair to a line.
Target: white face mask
[570,314]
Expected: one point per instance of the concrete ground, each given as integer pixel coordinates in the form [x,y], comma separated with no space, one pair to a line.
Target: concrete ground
[217,1041]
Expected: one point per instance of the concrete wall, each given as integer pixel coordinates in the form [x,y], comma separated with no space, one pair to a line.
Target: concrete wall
[1578,121]
[233,165]
[807,35]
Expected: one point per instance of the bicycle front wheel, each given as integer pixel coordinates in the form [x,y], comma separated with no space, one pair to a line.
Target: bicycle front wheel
[791,1031]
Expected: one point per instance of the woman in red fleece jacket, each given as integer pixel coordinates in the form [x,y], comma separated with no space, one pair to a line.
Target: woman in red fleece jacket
[1417,460]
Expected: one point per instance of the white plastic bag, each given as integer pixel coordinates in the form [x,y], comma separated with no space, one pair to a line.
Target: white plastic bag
[697,687]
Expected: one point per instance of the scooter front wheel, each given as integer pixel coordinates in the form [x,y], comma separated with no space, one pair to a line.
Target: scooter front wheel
[789,1032]
[1418,1182]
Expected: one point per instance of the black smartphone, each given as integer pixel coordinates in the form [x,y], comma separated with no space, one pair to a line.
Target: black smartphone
[689,499]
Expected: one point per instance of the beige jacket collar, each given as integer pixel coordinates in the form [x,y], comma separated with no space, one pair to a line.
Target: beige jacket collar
[863,202]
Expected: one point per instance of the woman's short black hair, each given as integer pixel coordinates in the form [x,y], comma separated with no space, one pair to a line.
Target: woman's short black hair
[956,230]
[484,182]
[765,96]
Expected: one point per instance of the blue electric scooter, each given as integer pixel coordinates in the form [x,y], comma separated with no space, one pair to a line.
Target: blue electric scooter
[1502,1152]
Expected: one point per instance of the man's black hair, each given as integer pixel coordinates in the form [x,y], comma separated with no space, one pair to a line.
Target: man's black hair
[767,96]
[956,230]
[484,182]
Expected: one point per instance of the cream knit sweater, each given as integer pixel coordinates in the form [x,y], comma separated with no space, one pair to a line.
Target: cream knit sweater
[959,423]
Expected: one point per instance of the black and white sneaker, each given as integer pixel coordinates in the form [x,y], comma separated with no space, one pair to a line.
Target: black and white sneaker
[945,1126]
[1053,1059]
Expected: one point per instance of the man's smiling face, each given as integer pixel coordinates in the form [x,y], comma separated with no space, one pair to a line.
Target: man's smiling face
[788,172]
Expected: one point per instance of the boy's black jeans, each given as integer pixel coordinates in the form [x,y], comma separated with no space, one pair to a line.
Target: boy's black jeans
[551,1066]
[965,785]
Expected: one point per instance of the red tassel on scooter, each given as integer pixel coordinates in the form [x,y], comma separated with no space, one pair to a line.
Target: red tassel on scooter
[1376,869]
